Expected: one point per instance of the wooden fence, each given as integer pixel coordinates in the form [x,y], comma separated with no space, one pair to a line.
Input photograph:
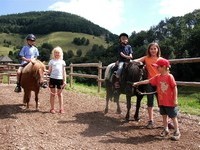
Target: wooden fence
[186,60]
[97,77]
[101,68]
[10,70]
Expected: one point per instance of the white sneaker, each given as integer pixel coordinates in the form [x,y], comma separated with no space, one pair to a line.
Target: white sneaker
[164,133]
[176,136]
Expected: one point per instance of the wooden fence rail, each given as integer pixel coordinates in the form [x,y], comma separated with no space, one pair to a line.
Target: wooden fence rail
[98,76]
[11,68]
[186,60]
[100,68]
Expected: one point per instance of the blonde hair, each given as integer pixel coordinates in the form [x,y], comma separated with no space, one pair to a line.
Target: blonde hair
[57,49]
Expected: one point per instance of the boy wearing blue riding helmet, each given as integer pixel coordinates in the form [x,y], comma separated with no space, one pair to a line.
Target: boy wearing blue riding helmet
[27,54]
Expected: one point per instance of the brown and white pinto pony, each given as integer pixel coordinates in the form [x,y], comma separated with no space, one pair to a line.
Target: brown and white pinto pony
[133,72]
[31,78]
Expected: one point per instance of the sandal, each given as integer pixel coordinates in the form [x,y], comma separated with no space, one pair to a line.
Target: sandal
[52,111]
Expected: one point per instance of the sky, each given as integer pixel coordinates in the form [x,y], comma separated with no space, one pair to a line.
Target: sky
[117,16]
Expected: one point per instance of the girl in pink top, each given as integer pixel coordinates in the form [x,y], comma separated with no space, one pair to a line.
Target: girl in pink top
[167,96]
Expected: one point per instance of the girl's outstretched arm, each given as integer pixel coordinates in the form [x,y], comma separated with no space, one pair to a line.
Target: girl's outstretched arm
[141,82]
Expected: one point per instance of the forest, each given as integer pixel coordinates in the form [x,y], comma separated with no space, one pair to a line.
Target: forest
[178,37]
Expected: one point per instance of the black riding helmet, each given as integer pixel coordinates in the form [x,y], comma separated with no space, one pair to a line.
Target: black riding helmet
[31,37]
[123,34]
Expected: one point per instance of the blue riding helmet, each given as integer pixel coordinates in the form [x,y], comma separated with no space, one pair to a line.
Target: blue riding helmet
[31,37]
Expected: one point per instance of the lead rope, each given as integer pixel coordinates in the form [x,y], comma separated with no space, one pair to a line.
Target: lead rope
[137,90]
[145,93]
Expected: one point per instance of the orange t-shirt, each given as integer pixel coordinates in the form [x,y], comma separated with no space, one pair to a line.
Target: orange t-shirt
[152,71]
[165,89]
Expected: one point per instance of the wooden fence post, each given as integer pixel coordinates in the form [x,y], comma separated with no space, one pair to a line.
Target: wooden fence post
[99,76]
[70,75]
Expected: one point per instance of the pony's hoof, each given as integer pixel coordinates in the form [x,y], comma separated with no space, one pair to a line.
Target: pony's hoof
[106,111]
[137,119]
[119,111]
[127,120]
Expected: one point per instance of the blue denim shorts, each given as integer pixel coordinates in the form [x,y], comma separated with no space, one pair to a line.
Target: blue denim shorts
[170,111]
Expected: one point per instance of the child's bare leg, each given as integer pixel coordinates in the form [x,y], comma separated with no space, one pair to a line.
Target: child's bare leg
[165,122]
[60,98]
[52,100]
[175,122]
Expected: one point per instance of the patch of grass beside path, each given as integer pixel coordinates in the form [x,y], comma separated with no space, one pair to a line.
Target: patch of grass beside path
[188,97]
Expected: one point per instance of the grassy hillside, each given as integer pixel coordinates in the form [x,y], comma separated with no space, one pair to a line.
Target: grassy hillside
[63,39]
[9,41]
[4,50]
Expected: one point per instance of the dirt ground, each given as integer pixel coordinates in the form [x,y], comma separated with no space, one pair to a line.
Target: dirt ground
[84,126]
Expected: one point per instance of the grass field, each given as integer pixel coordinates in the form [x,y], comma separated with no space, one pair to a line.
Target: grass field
[188,97]
[4,50]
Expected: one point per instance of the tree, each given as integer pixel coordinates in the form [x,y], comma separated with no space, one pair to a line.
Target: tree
[79,52]
[70,54]
[45,52]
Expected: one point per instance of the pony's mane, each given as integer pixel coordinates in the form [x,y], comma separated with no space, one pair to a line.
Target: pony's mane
[33,67]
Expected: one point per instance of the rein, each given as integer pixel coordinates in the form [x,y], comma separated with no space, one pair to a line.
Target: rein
[139,92]
[145,93]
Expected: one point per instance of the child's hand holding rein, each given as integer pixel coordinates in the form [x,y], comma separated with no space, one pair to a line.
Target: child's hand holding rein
[135,84]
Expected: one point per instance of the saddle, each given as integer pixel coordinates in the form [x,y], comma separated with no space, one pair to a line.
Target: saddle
[117,82]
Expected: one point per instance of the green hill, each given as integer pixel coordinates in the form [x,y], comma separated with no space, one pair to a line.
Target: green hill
[52,27]
[10,42]
[64,39]
[45,22]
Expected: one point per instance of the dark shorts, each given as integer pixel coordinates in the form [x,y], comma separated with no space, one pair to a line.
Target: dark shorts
[170,111]
[55,83]
[150,97]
